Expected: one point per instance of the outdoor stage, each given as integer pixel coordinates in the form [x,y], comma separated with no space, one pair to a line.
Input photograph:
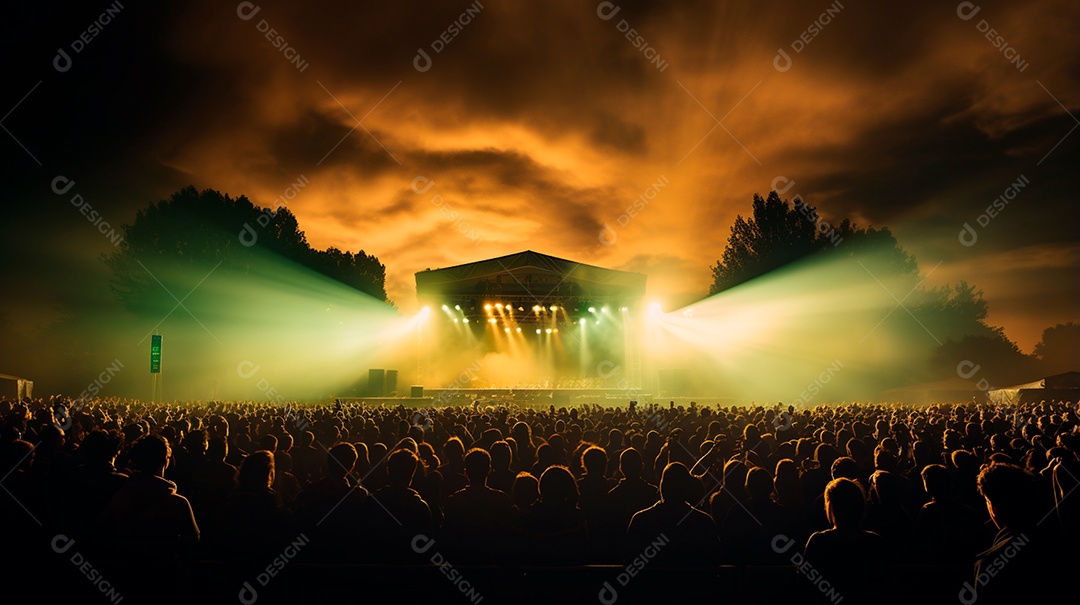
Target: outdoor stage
[528,319]
[540,398]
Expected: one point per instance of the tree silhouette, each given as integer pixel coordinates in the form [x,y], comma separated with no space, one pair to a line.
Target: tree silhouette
[951,317]
[778,233]
[775,235]
[194,233]
[1059,349]
[997,358]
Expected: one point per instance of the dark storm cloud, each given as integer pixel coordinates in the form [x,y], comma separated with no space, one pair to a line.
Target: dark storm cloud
[539,122]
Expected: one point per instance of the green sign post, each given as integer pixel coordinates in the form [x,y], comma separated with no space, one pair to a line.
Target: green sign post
[155,354]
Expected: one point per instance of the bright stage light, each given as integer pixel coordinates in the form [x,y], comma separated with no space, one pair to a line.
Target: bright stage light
[466,320]
[492,320]
[507,330]
[538,330]
[624,309]
[457,307]
[445,308]
[554,330]
[655,310]
[547,331]
[519,330]
[487,307]
[582,322]
[553,308]
[605,310]
[592,309]
[498,306]
[456,320]
[537,308]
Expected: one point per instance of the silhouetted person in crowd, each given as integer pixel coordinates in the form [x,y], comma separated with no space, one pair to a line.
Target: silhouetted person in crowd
[453,467]
[525,454]
[1025,563]
[630,495]
[525,493]
[332,509]
[17,458]
[428,481]
[852,561]
[888,517]
[553,531]
[746,533]
[593,488]
[477,517]
[688,534]
[147,520]
[502,459]
[285,482]
[95,481]
[308,461]
[397,513]
[948,530]
[255,523]
[732,492]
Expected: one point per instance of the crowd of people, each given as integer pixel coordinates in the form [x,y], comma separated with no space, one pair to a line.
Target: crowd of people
[841,493]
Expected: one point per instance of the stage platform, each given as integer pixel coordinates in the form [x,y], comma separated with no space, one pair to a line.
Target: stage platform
[537,397]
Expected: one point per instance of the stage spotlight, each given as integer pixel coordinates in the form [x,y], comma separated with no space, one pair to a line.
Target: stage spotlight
[538,330]
[457,307]
[445,308]
[624,309]
[466,320]
[598,322]
[507,330]
[655,310]
[455,320]
[492,320]
[554,330]
[498,306]
[487,307]
[553,308]
[519,330]
[604,310]
[582,322]
[537,308]
[592,309]
[548,331]
[425,311]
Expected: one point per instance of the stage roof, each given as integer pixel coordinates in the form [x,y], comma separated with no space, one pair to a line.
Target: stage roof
[530,275]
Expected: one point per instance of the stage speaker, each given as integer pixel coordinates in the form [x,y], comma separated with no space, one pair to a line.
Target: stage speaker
[417,391]
[391,383]
[376,383]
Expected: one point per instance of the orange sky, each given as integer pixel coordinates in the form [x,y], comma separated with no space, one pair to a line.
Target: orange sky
[537,124]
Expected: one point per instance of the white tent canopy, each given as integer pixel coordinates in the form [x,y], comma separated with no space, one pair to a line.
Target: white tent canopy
[1063,387]
[25,388]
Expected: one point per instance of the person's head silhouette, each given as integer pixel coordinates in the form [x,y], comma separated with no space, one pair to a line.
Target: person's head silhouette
[477,466]
[558,487]
[845,503]
[150,455]
[1008,490]
[400,467]
[256,471]
[675,483]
